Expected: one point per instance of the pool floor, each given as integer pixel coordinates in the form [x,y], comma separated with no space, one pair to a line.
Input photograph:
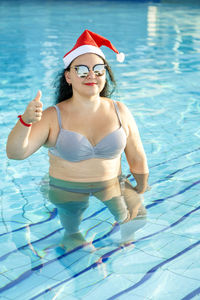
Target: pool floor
[159,82]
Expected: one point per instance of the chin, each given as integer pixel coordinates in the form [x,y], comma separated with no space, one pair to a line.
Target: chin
[94,91]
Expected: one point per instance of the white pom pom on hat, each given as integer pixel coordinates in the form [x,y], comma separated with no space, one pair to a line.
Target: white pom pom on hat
[120,57]
[90,42]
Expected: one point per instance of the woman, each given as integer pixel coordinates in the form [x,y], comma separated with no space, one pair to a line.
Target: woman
[86,133]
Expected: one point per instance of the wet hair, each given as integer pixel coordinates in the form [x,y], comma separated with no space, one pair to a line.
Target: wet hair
[64,90]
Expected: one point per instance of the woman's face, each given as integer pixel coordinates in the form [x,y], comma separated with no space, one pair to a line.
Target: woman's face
[90,85]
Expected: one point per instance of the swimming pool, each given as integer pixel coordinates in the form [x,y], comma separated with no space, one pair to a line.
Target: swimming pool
[159,81]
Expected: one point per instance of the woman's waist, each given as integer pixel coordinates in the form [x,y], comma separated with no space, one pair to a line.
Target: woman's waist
[92,170]
[82,186]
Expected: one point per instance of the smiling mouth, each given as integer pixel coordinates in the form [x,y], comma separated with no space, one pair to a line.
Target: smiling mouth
[92,83]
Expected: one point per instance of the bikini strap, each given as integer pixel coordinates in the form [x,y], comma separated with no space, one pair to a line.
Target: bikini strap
[117,111]
[116,108]
[58,115]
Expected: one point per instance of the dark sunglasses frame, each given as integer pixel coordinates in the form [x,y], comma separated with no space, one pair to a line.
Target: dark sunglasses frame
[93,69]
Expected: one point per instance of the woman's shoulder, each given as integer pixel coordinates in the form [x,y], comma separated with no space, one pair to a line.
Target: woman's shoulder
[123,109]
[125,113]
[53,108]
[50,110]
[111,101]
[64,105]
[49,114]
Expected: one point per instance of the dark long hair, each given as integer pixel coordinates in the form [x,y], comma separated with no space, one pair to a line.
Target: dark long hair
[64,90]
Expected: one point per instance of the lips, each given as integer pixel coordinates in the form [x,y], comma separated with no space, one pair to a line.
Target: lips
[90,83]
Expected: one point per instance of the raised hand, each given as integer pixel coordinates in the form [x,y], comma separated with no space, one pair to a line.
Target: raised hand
[33,112]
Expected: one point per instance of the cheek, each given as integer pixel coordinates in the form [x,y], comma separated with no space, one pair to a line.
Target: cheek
[102,83]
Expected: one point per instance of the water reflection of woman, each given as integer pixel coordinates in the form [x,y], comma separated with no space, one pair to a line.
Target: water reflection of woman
[86,133]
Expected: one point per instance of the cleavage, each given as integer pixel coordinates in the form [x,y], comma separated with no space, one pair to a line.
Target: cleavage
[89,140]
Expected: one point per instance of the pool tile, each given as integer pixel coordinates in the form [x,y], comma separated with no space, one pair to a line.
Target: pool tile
[115,281]
[162,93]
[163,285]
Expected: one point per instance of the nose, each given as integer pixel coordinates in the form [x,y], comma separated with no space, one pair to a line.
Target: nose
[91,74]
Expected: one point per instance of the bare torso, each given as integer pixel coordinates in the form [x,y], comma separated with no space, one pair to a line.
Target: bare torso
[94,126]
[90,170]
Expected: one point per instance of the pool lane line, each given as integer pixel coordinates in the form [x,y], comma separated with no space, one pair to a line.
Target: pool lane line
[94,265]
[3,257]
[170,176]
[156,202]
[21,192]
[54,212]
[148,206]
[174,158]
[152,271]
[94,214]
[28,273]
[2,212]
[191,295]
[104,237]
[183,218]
[104,258]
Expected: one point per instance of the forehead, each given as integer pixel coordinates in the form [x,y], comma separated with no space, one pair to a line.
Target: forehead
[87,59]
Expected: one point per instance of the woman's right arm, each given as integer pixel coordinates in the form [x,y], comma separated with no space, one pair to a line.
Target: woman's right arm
[24,141]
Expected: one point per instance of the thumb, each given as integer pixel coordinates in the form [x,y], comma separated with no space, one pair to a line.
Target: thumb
[38,96]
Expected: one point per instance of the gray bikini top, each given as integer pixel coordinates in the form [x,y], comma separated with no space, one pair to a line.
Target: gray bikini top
[74,147]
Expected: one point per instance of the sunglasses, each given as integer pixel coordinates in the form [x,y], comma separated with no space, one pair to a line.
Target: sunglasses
[82,71]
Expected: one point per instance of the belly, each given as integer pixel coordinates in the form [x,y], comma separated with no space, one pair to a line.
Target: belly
[90,170]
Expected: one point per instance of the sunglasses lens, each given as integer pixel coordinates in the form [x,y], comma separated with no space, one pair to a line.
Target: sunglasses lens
[99,70]
[82,71]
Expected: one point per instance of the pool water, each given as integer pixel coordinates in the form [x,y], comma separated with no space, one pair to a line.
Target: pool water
[159,82]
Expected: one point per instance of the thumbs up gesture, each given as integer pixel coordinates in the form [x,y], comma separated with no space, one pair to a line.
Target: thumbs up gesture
[33,112]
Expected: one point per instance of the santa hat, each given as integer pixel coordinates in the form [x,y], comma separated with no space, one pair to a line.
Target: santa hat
[90,42]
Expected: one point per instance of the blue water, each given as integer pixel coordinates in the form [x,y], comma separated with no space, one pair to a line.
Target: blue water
[159,82]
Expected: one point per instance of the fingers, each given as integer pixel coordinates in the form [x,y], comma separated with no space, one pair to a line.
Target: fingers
[36,101]
[36,110]
[33,111]
[38,96]
[36,107]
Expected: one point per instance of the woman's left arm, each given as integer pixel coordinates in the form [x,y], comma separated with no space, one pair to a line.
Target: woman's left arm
[134,151]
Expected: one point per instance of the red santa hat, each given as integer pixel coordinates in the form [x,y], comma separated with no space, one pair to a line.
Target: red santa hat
[90,42]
